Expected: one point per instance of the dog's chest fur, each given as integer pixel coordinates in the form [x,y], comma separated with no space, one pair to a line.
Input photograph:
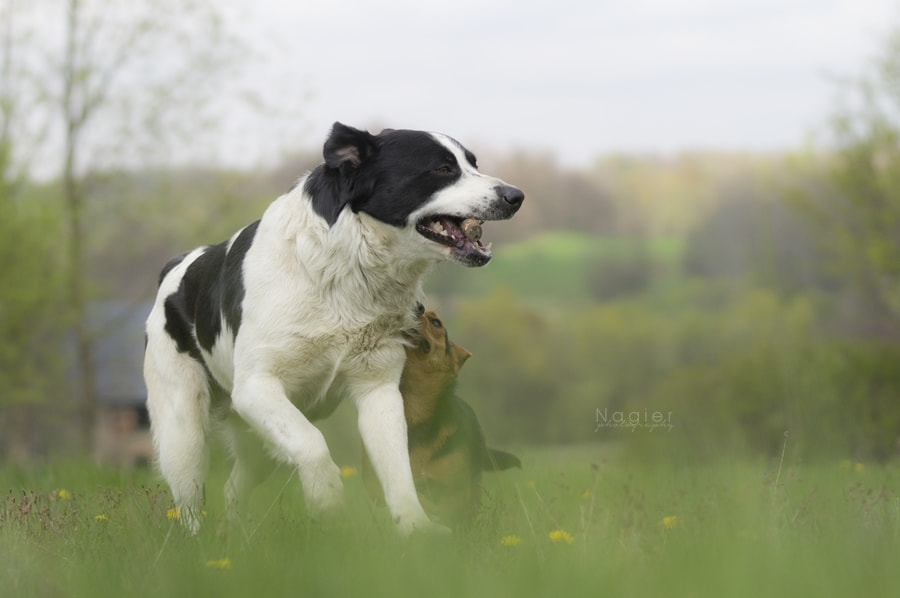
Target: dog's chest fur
[314,305]
[329,360]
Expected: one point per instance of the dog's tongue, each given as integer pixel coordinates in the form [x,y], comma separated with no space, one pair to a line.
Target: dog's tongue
[452,229]
[468,230]
[449,225]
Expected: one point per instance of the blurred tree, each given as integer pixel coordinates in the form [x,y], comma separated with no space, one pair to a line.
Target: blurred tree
[855,207]
[662,196]
[33,312]
[125,84]
[557,199]
[513,378]
[752,233]
[33,318]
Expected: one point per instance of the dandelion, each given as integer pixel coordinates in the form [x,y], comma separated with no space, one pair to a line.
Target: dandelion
[559,536]
[62,494]
[348,471]
[173,514]
[510,540]
[586,494]
[101,518]
[670,522]
[530,484]
[224,563]
[857,467]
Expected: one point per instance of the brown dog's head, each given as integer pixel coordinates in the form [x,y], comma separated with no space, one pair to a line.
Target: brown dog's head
[432,351]
[433,362]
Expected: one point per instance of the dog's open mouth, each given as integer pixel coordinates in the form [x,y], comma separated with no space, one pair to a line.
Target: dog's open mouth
[461,235]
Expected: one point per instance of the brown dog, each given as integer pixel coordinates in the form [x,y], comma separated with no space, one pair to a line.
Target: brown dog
[447,449]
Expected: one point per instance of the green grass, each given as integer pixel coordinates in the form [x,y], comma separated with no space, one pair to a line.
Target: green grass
[822,530]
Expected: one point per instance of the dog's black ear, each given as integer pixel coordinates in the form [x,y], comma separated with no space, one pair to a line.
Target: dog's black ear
[346,145]
[337,183]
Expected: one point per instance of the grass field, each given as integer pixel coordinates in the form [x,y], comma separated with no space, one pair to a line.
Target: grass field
[573,521]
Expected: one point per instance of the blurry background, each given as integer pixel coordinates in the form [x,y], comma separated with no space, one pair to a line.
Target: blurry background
[711,237]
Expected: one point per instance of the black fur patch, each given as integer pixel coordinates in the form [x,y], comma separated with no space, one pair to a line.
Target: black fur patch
[169,265]
[388,177]
[212,286]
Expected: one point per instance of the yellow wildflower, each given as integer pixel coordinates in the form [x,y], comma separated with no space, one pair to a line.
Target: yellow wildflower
[859,468]
[846,464]
[561,537]
[173,514]
[510,540]
[529,484]
[224,563]
[586,494]
[348,471]
[63,494]
[101,518]
[670,522]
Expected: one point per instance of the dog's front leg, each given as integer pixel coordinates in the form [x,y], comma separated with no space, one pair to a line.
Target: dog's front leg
[261,401]
[382,427]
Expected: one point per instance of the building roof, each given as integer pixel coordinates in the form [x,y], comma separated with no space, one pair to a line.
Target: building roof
[119,351]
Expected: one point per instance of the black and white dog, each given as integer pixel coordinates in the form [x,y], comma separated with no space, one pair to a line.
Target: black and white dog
[307,306]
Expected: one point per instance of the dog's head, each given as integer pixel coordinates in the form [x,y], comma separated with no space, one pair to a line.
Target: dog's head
[432,353]
[424,184]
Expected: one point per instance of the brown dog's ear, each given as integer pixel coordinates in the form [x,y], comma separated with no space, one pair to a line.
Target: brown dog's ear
[460,355]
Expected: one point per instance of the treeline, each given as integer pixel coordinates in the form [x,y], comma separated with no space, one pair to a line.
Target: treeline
[709,371]
[731,319]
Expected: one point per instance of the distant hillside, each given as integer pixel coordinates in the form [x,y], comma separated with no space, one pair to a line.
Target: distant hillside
[556,267]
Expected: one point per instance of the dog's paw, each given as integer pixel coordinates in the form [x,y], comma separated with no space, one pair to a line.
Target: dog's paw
[420,525]
[323,490]
[188,517]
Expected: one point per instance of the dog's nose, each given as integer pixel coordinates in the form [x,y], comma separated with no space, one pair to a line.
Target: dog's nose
[511,195]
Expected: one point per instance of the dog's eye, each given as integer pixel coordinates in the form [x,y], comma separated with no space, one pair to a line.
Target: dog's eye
[445,169]
[436,323]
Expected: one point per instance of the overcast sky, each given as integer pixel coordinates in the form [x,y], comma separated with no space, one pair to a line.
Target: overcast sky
[575,77]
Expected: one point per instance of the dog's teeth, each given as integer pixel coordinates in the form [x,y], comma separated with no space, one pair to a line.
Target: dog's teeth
[488,246]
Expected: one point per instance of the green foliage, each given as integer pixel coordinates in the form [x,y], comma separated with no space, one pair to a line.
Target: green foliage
[33,316]
[731,370]
[571,522]
[520,367]
[855,201]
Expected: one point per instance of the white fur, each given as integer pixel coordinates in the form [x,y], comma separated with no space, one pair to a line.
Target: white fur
[322,317]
